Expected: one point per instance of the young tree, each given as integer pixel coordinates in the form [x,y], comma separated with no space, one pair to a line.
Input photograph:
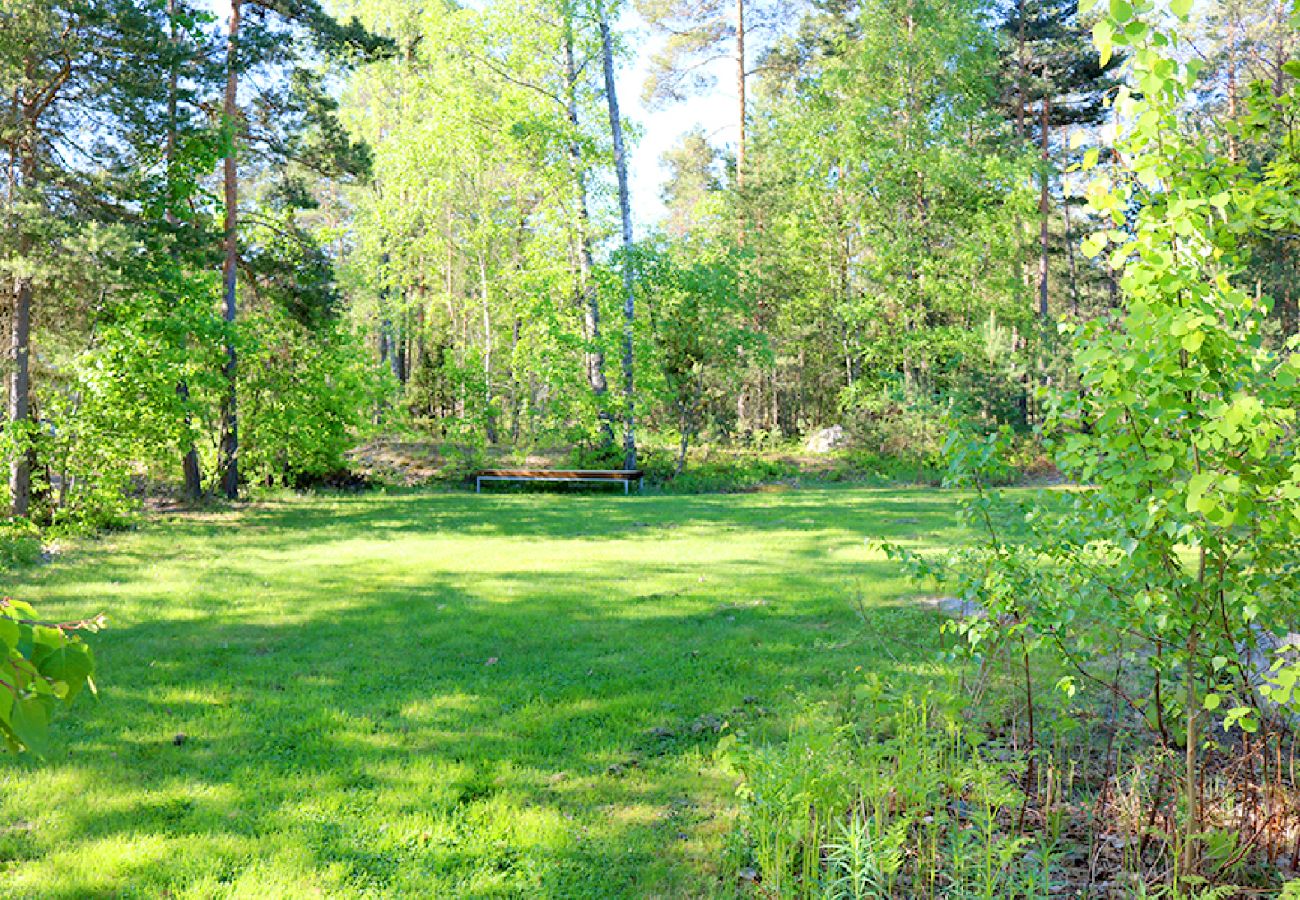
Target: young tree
[692,183]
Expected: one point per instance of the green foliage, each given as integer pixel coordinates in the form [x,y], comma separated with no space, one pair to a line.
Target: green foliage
[41,666]
[1177,550]
[903,802]
[307,396]
[20,544]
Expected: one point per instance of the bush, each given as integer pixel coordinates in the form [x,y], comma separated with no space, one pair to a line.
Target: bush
[20,544]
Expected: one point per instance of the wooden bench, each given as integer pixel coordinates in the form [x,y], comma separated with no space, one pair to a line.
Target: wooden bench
[603,476]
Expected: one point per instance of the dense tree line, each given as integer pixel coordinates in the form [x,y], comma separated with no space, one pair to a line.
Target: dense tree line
[232,242]
[896,222]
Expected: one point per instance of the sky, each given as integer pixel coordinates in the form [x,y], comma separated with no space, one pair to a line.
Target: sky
[659,130]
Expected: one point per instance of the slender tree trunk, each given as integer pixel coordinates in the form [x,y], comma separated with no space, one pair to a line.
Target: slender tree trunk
[1233,152]
[20,333]
[484,297]
[1044,207]
[741,116]
[745,384]
[515,402]
[229,451]
[625,213]
[394,326]
[1074,265]
[191,470]
[594,354]
[1281,30]
[1021,65]
[20,465]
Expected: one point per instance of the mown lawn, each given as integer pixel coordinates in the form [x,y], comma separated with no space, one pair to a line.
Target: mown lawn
[447,695]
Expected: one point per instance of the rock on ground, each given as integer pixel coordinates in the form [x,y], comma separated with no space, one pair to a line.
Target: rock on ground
[826,440]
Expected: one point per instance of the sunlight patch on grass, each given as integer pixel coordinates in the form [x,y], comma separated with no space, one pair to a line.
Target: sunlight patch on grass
[448,695]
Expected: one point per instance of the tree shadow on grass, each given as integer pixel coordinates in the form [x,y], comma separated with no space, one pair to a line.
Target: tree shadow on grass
[884,513]
[520,731]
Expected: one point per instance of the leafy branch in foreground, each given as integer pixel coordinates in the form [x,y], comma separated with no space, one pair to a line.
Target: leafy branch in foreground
[42,664]
[1165,574]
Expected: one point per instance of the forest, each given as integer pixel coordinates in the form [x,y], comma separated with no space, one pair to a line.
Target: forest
[954,344]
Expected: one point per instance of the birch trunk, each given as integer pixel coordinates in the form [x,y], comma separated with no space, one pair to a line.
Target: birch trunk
[625,213]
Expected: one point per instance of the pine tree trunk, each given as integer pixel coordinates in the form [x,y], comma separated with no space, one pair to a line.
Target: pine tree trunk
[740,93]
[1074,265]
[229,451]
[1044,208]
[625,213]
[1021,65]
[20,465]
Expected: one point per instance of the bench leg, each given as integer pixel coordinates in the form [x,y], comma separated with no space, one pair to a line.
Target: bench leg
[478,485]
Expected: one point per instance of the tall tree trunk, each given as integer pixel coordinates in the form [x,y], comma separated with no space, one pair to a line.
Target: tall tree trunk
[20,330]
[625,213]
[594,354]
[20,465]
[229,452]
[1021,65]
[484,298]
[1234,33]
[1044,206]
[740,93]
[745,384]
[1074,265]
[191,470]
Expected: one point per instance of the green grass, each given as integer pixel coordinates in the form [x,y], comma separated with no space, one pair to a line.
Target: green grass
[424,695]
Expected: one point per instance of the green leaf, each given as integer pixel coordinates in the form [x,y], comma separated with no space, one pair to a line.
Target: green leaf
[30,723]
[1196,488]
[1093,244]
[1180,8]
[1103,37]
[1213,702]
[1122,10]
[70,664]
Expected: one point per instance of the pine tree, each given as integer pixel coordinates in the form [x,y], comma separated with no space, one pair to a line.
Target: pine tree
[66,64]
[276,38]
[1052,79]
[699,32]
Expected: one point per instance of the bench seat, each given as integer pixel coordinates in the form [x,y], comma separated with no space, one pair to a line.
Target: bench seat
[625,476]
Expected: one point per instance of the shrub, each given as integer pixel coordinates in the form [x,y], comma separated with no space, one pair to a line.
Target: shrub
[1178,554]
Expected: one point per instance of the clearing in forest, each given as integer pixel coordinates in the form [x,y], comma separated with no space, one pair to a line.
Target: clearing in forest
[448,695]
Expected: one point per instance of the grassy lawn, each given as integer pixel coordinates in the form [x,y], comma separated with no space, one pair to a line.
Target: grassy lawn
[447,694]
